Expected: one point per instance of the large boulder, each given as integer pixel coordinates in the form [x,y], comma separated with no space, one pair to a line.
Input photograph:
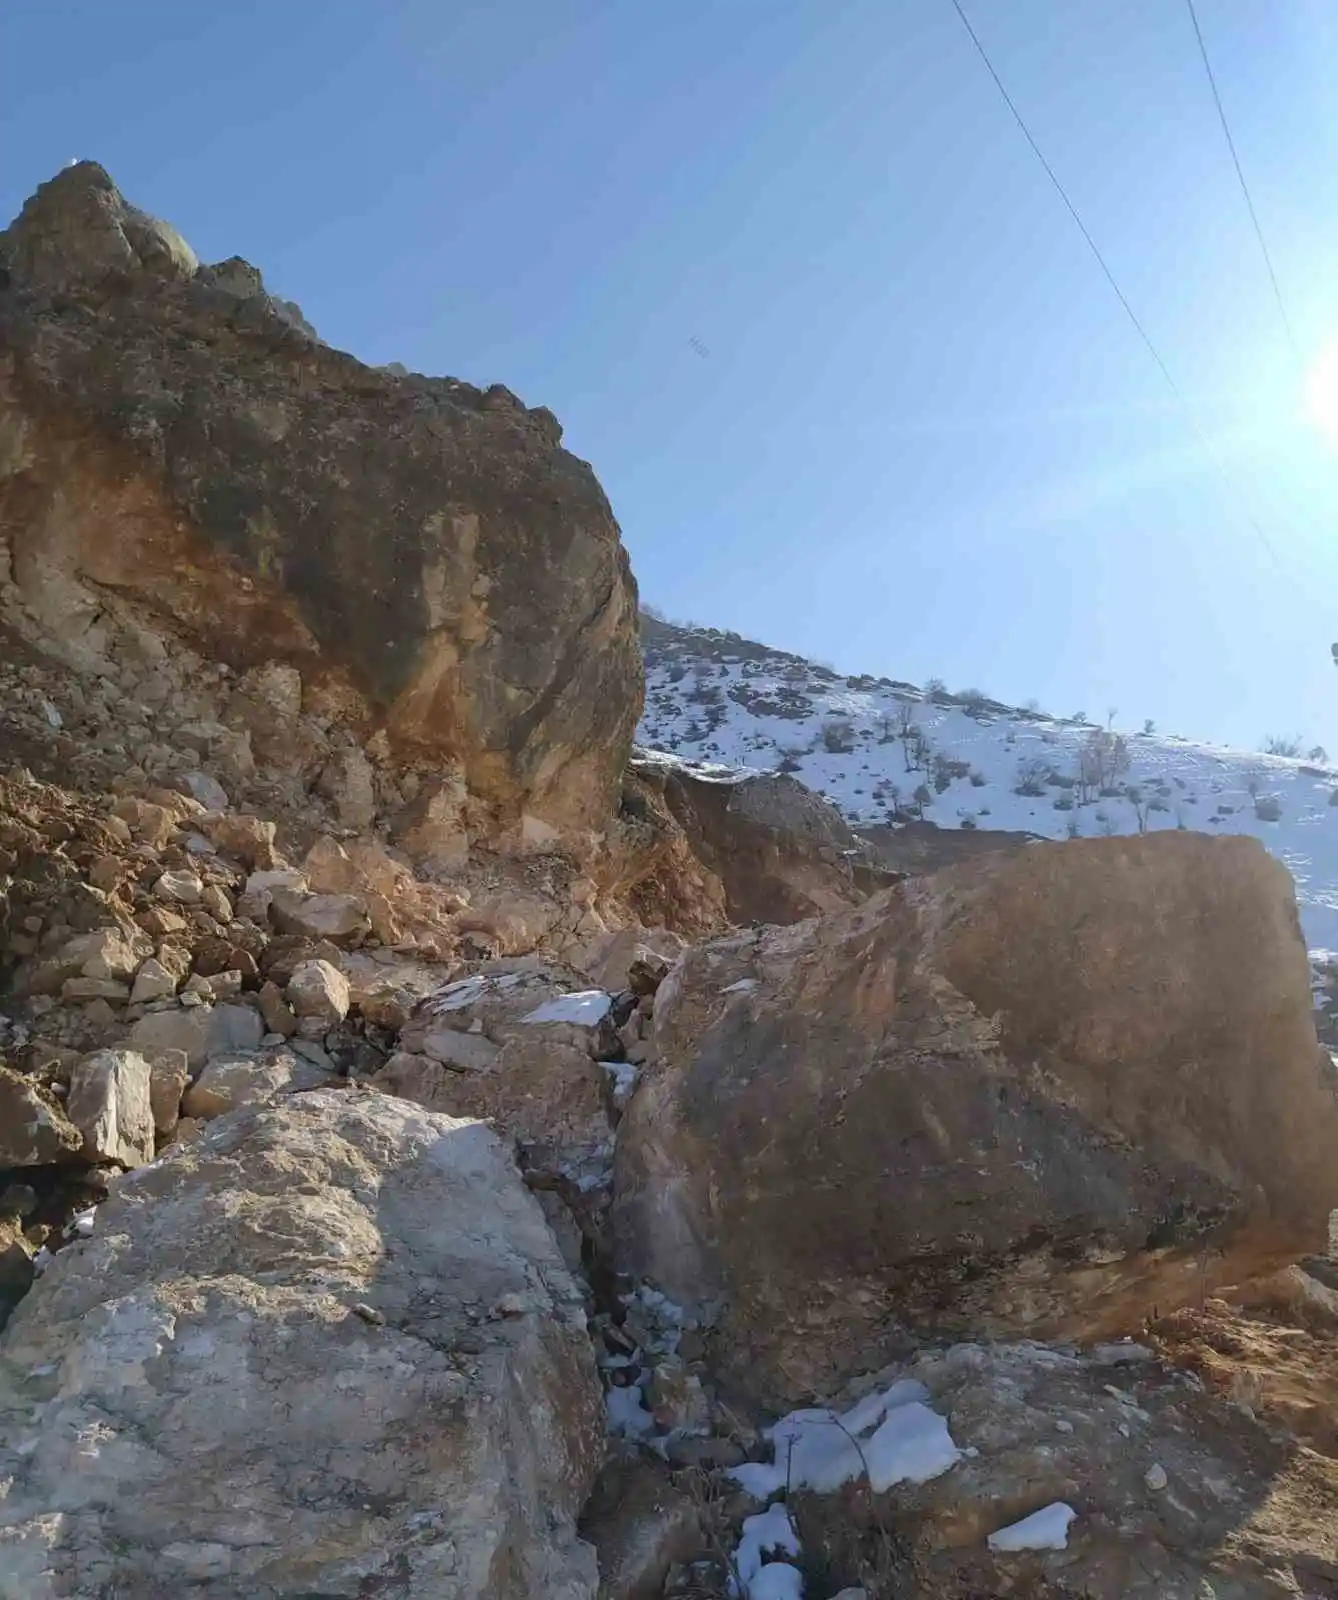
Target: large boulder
[328,1348]
[781,852]
[1038,1094]
[185,469]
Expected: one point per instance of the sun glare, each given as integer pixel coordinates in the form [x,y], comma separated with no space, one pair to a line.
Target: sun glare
[1320,400]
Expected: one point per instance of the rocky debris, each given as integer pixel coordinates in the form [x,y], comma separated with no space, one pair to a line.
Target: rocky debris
[232,1081]
[109,1102]
[257,1433]
[34,1129]
[1034,1094]
[634,959]
[497,1001]
[188,535]
[781,852]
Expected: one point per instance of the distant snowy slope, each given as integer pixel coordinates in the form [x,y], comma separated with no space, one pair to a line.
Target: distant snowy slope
[885,751]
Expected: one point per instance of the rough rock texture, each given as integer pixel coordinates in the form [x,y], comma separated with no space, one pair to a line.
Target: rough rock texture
[782,852]
[1176,1493]
[188,477]
[640,1525]
[34,1129]
[1041,1093]
[242,1080]
[110,1104]
[327,1349]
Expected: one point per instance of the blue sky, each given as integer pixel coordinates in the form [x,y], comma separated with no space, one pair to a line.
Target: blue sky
[924,439]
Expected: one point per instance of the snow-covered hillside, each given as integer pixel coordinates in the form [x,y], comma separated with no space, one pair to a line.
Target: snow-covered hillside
[885,751]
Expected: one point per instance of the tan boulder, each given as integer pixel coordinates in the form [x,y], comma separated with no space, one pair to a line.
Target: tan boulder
[1036,1094]
[111,1105]
[341,918]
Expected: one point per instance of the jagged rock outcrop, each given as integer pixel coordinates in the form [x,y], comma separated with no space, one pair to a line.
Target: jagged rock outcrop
[330,1348]
[1033,1094]
[289,570]
[780,852]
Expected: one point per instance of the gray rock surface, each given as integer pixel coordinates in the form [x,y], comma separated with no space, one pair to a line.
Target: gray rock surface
[329,1348]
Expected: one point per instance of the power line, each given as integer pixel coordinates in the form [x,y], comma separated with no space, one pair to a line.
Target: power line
[1244,187]
[1203,439]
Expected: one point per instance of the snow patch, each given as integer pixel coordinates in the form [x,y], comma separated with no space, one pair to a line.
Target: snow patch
[1046,1529]
[769,1532]
[628,1417]
[891,1435]
[587,1007]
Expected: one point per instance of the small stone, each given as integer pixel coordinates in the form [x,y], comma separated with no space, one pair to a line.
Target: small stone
[1155,1476]
[152,982]
[189,998]
[215,901]
[317,991]
[276,1011]
[370,1314]
[510,1305]
[224,985]
[179,888]
[208,791]
[158,920]
[247,839]
[168,1076]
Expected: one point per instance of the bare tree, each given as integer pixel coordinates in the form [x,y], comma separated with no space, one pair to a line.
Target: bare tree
[1103,758]
[1138,800]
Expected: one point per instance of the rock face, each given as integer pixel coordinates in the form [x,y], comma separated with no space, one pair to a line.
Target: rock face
[781,852]
[329,1348]
[421,601]
[1032,1094]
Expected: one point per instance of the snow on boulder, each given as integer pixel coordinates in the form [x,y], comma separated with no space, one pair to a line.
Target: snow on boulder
[503,999]
[241,1385]
[1035,1094]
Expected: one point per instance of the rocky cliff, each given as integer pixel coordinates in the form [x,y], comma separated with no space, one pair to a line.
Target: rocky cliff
[399,589]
